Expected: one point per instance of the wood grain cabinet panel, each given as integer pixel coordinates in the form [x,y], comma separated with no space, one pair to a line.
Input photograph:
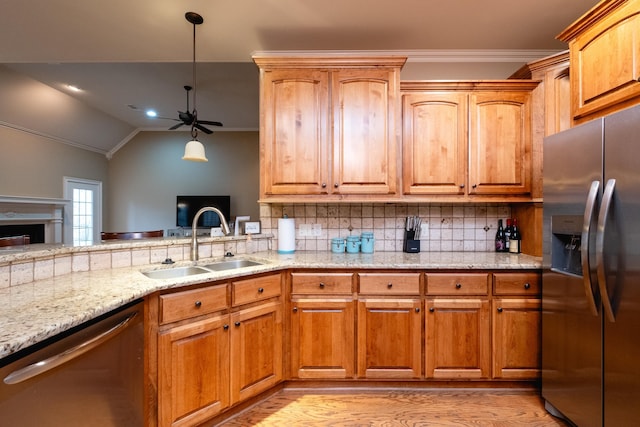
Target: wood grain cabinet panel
[389,338]
[193,372]
[604,49]
[322,283]
[323,338]
[192,303]
[458,338]
[256,346]
[328,127]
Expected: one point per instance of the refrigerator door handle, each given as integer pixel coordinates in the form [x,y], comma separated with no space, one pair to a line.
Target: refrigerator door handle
[600,234]
[586,232]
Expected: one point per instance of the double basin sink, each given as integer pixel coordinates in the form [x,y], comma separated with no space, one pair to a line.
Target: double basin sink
[191,270]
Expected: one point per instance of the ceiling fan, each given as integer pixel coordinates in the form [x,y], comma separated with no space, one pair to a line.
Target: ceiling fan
[190,117]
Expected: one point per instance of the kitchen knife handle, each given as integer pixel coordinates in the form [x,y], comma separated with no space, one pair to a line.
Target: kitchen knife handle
[600,233]
[589,211]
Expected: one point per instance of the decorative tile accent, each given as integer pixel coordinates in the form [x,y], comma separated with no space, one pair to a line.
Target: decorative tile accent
[467,228]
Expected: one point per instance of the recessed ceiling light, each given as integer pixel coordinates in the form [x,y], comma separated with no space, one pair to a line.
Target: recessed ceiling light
[74,88]
[151,113]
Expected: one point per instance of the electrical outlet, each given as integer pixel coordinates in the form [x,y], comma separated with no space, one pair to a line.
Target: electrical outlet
[424,231]
[304,230]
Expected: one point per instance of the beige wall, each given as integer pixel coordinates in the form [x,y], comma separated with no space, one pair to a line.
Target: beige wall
[31,165]
[147,174]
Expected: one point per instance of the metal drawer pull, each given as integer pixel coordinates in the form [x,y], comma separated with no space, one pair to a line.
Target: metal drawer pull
[237,323]
[499,309]
[322,285]
[458,285]
[198,304]
[45,365]
[260,290]
[527,286]
[389,285]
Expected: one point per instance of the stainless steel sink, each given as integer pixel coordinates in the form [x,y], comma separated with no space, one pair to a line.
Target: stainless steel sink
[230,265]
[174,273]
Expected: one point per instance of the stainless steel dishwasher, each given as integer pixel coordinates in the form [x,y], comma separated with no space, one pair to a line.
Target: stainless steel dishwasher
[92,375]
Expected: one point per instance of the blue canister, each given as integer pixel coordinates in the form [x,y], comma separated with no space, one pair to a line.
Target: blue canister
[337,245]
[353,244]
[366,242]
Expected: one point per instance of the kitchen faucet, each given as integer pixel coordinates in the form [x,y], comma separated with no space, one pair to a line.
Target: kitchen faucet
[194,234]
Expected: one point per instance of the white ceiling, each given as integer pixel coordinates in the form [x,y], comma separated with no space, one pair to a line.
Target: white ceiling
[130,55]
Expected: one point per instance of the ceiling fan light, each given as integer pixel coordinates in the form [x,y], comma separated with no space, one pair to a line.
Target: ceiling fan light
[194,151]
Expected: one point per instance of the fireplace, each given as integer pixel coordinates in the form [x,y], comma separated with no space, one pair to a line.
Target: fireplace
[40,218]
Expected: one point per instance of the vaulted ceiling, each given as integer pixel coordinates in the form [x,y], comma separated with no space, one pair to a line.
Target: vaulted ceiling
[127,56]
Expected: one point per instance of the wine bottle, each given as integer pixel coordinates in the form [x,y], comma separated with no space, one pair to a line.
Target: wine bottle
[515,241]
[500,238]
[507,234]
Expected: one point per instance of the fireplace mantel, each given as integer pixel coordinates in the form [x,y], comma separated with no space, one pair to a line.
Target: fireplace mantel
[17,210]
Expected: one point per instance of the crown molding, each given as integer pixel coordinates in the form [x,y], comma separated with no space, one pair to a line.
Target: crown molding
[425,55]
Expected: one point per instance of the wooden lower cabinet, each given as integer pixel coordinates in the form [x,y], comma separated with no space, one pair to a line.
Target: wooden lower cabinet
[389,338]
[256,346]
[193,371]
[322,338]
[458,339]
[516,338]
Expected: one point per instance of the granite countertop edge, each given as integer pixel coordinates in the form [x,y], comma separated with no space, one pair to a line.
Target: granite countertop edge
[33,312]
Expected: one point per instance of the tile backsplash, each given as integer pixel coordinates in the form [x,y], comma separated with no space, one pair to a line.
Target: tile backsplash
[451,227]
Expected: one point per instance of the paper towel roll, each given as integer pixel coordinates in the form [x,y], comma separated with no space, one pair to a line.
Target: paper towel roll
[286,235]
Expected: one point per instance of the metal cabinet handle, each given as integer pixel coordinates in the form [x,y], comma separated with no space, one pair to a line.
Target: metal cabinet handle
[48,364]
[335,185]
[431,309]
[260,290]
[237,323]
[417,309]
[225,327]
[461,185]
[324,185]
[600,233]
[589,211]
[322,285]
[499,309]
[527,286]
[295,309]
[389,285]
[198,304]
[458,285]
[474,185]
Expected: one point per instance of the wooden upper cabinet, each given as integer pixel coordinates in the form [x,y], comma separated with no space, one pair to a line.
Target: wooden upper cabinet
[500,143]
[605,58]
[294,132]
[434,143]
[328,127]
[466,139]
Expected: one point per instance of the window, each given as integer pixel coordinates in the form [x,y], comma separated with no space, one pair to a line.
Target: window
[82,216]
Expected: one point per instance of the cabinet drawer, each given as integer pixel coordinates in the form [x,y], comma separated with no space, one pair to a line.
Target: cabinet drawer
[187,304]
[321,283]
[457,284]
[390,283]
[255,289]
[516,283]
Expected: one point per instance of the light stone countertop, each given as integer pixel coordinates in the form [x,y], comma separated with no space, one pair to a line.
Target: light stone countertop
[32,312]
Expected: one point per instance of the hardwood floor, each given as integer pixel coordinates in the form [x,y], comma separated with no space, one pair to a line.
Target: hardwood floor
[398,407]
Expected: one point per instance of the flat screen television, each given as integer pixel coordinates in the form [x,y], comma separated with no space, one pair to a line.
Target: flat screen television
[188,206]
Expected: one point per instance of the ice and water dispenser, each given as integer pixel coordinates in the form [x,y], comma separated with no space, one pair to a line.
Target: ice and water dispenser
[566,241]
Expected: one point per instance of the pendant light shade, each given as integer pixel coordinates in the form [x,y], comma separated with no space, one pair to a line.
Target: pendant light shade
[194,151]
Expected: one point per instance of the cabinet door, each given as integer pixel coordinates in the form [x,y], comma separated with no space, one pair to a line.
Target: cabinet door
[500,143]
[434,143]
[294,132]
[516,338]
[256,350]
[389,338]
[458,336]
[605,62]
[322,338]
[364,138]
[193,372]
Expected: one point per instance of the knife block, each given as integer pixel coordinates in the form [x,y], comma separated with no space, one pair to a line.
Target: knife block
[410,244]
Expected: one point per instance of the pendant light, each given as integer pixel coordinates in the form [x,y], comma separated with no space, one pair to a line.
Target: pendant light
[194,150]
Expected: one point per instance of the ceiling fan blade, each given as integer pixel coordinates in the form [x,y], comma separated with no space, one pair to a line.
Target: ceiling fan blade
[203,129]
[167,118]
[176,126]
[207,122]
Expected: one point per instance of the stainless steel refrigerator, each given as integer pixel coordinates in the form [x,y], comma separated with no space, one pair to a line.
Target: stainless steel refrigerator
[591,278]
